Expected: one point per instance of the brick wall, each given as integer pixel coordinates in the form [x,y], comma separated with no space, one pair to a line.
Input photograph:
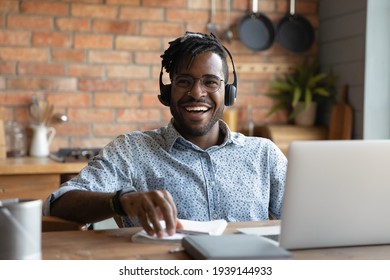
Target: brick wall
[98,61]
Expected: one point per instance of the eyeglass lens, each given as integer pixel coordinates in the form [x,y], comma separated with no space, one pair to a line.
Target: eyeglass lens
[209,83]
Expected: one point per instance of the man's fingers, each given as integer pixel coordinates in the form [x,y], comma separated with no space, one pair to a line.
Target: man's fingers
[170,213]
[152,207]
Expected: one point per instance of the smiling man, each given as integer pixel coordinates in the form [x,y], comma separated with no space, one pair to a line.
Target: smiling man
[194,168]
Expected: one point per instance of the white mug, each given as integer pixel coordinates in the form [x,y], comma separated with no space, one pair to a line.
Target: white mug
[41,140]
[20,229]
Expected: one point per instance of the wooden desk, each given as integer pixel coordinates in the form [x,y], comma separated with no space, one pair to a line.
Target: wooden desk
[116,244]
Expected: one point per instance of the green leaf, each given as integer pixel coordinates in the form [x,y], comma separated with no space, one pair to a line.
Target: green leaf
[322,92]
[308,98]
[296,96]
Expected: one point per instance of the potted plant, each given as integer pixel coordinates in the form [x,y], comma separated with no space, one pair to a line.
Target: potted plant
[300,91]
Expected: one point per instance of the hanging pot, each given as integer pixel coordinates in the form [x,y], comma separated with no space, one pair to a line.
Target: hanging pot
[294,32]
[255,30]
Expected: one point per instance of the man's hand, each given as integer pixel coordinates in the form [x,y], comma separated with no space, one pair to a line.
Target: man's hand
[150,208]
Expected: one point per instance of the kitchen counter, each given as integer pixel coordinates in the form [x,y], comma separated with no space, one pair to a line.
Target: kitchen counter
[34,178]
[36,165]
[283,135]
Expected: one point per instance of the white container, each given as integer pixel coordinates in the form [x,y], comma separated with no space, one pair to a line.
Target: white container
[20,229]
[41,140]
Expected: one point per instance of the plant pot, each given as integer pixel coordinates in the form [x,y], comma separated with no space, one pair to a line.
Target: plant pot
[305,117]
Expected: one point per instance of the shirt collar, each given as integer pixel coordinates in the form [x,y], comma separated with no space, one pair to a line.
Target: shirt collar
[171,136]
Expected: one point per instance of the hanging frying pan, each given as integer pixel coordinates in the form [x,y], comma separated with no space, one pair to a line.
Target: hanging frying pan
[255,30]
[294,32]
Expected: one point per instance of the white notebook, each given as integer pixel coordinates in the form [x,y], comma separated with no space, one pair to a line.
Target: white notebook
[215,227]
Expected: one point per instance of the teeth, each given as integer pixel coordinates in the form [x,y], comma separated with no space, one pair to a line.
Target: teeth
[199,108]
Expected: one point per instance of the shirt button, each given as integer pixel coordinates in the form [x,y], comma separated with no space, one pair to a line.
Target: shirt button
[215,216]
[212,183]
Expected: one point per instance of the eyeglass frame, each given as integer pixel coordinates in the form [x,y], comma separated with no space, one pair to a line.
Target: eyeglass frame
[202,85]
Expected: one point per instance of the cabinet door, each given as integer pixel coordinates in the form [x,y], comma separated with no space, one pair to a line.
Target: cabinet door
[28,186]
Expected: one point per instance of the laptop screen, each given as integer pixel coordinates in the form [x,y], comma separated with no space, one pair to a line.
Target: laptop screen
[337,194]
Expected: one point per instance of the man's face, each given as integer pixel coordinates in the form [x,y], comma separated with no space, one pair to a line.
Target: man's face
[197,110]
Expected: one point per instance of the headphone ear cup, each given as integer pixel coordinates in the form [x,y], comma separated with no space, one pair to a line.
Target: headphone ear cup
[165,94]
[230,94]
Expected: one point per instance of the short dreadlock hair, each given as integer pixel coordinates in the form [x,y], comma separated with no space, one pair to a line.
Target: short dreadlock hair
[188,47]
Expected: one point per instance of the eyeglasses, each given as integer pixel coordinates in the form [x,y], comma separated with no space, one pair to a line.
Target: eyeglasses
[208,83]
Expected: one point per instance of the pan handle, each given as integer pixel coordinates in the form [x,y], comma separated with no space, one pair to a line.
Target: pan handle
[213,8]
[292,7]
[255,6]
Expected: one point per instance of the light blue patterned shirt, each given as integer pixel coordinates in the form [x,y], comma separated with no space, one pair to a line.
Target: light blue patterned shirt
[240,180]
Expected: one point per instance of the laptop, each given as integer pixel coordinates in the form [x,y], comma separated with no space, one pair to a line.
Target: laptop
[337,194]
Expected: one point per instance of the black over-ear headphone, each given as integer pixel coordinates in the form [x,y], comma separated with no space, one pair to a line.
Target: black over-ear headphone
[230,89]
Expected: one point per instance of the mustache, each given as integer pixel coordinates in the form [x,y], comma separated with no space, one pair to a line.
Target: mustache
[191,99]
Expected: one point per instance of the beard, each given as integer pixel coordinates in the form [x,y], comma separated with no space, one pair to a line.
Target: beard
[185,128]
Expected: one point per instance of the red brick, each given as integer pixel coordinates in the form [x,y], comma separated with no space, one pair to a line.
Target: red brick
[85,71]
[69,99]
[41,69]
[15,99]
[73,24]
[166,114]
[116,100]
[91,115]
[148,58]
[88,1]
[203,5]
[150,126]
[124,2]
[100,85]
[24,83]
[44,8]
[306,8]
[65,84]
[115,57]
[23,54]
[22,116]
[141,13]
[161,28]
[73,128]
[167,4]
[58,141]
[51,39]
[7,68]
[150,100]
[2,83]
[142,85]
[87,41]
[138,115]
[9,6]
[14,38]
[114,27]
[138,43]
[175,15]
[96,11]
[112,130]
[29,22]
[130,72]
[68,55]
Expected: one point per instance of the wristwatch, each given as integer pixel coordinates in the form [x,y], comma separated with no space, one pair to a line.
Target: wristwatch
[115,203]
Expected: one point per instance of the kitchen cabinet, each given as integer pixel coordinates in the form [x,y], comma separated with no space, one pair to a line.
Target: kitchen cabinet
[33,178]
